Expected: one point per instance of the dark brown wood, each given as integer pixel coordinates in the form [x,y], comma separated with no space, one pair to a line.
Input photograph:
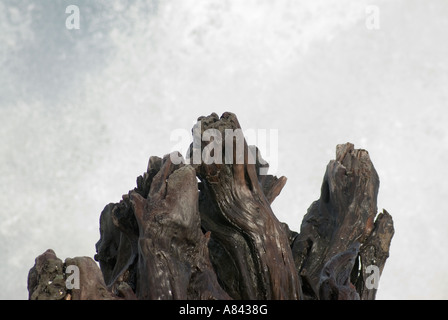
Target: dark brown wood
[374,252]
[173,258]
[47,280]
[206,230]
[258,247]
[341,219]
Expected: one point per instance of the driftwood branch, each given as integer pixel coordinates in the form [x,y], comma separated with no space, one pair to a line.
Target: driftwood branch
[205,229]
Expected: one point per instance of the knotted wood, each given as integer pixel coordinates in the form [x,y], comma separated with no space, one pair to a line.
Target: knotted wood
[203,228]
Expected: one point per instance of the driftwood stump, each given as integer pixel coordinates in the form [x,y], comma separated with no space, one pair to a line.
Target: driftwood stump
[204,229]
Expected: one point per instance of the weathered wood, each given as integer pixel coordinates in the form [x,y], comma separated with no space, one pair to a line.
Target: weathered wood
[47,280]
[334,281]
[374,252]
[173,260]
[258,245]
[343,217]
[205,230]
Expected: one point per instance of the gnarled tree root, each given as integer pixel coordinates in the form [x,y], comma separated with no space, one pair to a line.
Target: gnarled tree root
[205,230]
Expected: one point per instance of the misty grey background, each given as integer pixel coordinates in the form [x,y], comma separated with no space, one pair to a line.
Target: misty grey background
[82,110]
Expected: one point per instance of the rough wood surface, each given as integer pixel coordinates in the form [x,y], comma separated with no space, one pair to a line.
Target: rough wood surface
[206,230]
[343,218]
[258,248]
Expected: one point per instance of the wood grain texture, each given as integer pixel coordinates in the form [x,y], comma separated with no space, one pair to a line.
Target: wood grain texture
[205,230]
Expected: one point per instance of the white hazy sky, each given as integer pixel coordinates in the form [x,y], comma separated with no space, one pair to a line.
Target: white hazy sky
[82,110]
